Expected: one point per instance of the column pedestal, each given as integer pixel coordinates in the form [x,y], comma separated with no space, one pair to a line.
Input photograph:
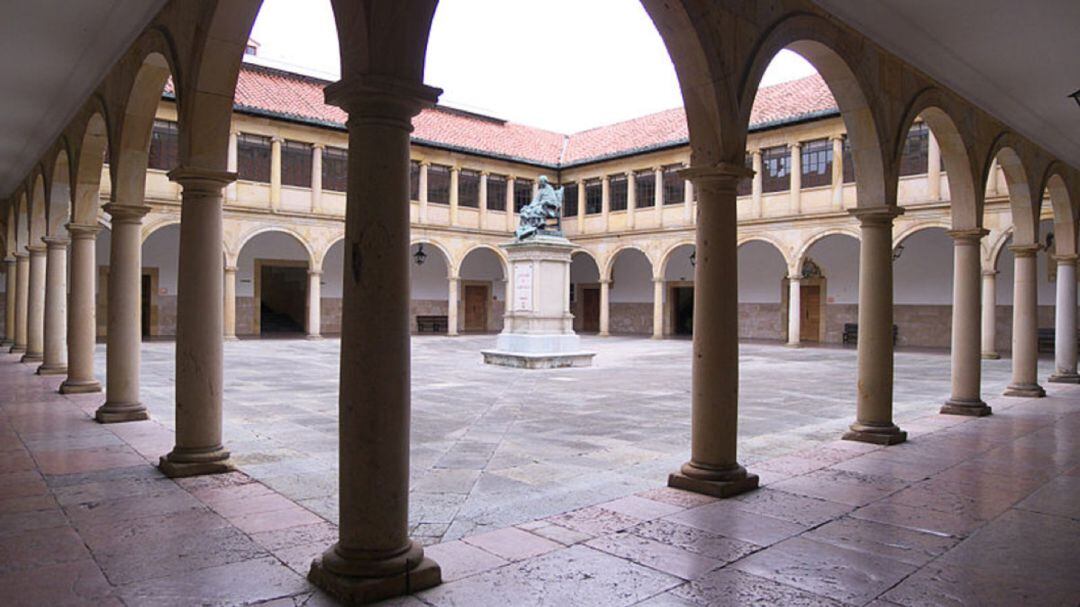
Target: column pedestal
[874,404]
[713,468]
[1065,322]
[965,352]
[22,289]
[55,357]
[1025,338]
[35,309]
[82,312]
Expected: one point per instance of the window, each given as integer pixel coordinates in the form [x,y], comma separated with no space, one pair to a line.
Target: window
[594,197]
[522,193]
[745,187]
[816,163]
[674,185]
[617,192]
[253,158]
[438,184]
[414,180]
[335,169]
[569,201]
[915,159]
[644,189]
[496,194]
[469,188]
[849,162]
[296,164]
[164,145]
[775,169]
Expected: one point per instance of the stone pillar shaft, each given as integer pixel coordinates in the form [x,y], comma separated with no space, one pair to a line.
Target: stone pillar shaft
[22,289]
[933,170]
[873,420]
[316,178]
[1025,336]
[605,307]
[631,199]
[82,312]
[199,322]
[757,208]
[658,308]
[794,311]
[124,339]
[713,468]
[581,207]
[314,305]
[966,344]
[423,193]
[275,173]
[796,179]
[453,290]
[55,355]
[35,309]
[1065,322]
[455,179]
[511,225]
[837,172]
[9,302]
[989,314]
[229,303]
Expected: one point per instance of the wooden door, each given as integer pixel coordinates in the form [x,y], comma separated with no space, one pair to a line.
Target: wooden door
[476,298]
[810,305]
[590,309]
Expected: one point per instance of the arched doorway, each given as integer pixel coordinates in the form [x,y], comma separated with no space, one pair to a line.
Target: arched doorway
[332,267]
[585,292]
[762,292]
[482,299]
[833,262]
[922,288]
[429,303]
[272,286]
[679,291]
[631,294]
[158,282]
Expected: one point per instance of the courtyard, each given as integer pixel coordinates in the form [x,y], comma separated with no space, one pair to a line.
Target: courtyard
[494,447]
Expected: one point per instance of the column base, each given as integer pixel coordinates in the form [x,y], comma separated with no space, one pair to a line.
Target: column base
[115,413]
[655,336]
[791,345]
[16,349]
[52,370]
[180,463]
[32,357]
[878,435]
[991,355]
[80,387]
[717,483]
[973,408]
[314,337]
[360,590]
[1064,378]
[230,338]
[1025,390]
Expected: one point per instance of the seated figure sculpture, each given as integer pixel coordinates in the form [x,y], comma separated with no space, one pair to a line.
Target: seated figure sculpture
[546,205]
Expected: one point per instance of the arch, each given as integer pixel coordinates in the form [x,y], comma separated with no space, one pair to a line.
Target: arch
[1053,185]
[22,224]
[89,161]
[938,111]
[911,230]
[800,256]
[441,248]
[132,150]
[37,219]
[59,208]
[824,45]
[504,261]
[998,246]
[251,235]
[665,258]
[1023,204]
[609,261]
[158,224]
[767,240]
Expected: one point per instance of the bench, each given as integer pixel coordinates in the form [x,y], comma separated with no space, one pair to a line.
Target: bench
[432,324]
[851,333]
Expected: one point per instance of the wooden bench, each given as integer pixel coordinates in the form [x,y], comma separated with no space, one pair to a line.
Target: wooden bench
[432,324]
[851,333]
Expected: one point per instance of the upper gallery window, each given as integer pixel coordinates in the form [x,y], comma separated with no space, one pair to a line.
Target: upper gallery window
[164,146]
[816,163]
[335,169]
[438,184]
[617,192]
[594,197]
[469,188]
[296,164]
[644,189]
[496,193]
[915,158]
[522,193]
[253,157]
[674,185]
[775,169]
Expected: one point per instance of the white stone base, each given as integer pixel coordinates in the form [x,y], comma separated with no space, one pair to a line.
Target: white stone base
[524,343]
[538,361]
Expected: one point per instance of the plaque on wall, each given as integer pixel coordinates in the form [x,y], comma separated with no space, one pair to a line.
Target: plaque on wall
[523,286]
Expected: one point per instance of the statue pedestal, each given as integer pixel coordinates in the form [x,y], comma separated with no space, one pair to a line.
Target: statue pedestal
[538,330]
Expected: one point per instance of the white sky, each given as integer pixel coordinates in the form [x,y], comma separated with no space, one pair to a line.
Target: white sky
[563,65]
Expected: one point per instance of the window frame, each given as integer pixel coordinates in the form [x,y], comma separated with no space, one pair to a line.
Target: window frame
[570,199]
[777,157]
[644,183]
[469,188]
[438,190]
[164,151]
[331,157]
[594,197]
[293,176]
[618,192]
[523,189]
[810,159]
[496,192]
[249,149]
[673,184]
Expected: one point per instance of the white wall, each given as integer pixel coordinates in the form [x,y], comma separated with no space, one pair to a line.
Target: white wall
[266,246]
[484,265]
[583,269]
[162,251]
[101,252]
[631,278]
[429,281]
[924,272]
[838,258]
[761,273]
[678,264]
[1005,266]
[332,267]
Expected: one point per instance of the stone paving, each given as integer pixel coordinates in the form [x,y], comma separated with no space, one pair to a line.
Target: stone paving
[493,446]
[968,512]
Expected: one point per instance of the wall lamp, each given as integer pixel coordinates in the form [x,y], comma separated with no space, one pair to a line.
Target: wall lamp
[420,256]
[897,252]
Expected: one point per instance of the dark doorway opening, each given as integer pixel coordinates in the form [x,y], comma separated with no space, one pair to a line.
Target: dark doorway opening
[682,308]
[282,299]
[146,303]
[590,309]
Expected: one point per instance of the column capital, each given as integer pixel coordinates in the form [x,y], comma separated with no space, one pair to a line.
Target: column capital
[722,176]
[230,269]
[989,272]
[278,139]
[605,282]
[1024,250]
[20,255]
[79,231]
[453,277]
[968,236]
[314,272]
[424,164]
[659,279]
[795,145]
[318,146]
[126,213]
[484,174]
[1069,259]
[35,250]
[455,169]
[381,96]
[876,216]
[56,242]
[10,260]
[755,152]
[796,279]
[836,137]
[197,179]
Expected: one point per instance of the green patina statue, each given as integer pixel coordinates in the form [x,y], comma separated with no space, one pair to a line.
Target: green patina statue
[544,214]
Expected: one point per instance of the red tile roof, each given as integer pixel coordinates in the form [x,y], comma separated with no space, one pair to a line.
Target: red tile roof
[269,91]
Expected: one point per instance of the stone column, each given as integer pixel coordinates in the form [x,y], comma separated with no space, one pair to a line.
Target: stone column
[124,339]
[756,186]
[713,468]
[631,199]
[314,304]
[688,202]
[873,420]
[933,168]
[231,161]
[229,304]
[275,173]
[199,321]
[511,225]
[796,178]
[316,177]
[452,305]
[82,312]
[989,315]
[794,322]
[966,363]
[605,202]
[9,306]
[35,308]
[22,288]
[374,557]
[422,186]
[483,199]
[605,307]
[455,178]
[658,308]
[837,172]
[658,194]
[1025,335]
[1065,322]
[581,206]
[55,356]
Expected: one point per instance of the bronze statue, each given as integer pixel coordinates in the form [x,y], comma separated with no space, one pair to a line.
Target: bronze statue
[544,214]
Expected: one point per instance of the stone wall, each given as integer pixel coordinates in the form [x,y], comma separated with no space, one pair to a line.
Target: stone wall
[762,321]
[245,315]
[164,325]
[630,318]
[426,307]
[330,315]
[836,315]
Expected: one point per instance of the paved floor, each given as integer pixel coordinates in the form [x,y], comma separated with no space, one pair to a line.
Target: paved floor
[968,512]
[493,446]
